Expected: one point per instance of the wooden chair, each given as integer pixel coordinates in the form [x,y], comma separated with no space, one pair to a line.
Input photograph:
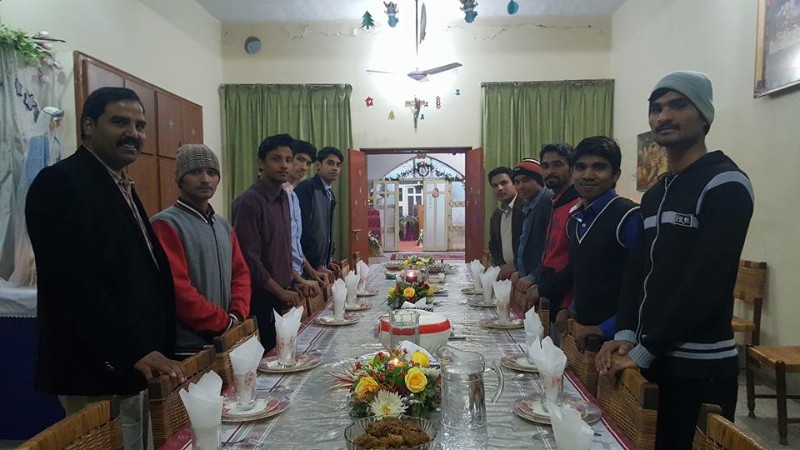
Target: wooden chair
[95,427]
[715,432]
[583,363]
[314,304]
[166,407]
[228,341]
[355,259]
[750,286]
[632,403]
[345,268]
[778,360]
[543,309]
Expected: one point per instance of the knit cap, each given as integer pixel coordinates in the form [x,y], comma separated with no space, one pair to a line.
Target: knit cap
[694,85]
[194,156]
[531,168]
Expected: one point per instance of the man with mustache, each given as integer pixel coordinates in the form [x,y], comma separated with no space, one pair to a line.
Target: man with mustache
[695,223]
[317,204]
[212,282]
[604,232]
[506,222]
[262,221]
[105,309]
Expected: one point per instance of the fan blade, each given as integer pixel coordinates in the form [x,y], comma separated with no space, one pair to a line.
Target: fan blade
[381,71]
[441,68]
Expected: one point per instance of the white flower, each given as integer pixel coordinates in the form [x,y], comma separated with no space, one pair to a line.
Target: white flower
[430,372]
[387,404]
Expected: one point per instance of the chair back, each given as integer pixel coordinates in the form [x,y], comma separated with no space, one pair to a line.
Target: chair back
[355,259]
[583,363]
[314,304]
[345,264]
[95,427]
[751,281]
[228,341]
[167,412]
[715,432]
[632,403]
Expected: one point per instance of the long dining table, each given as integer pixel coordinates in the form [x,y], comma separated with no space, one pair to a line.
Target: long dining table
[318,413]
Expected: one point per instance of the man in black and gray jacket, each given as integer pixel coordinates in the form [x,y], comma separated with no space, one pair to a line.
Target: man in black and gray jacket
[695,223]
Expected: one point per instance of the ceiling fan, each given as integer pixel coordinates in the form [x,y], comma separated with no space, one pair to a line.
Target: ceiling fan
[419,36]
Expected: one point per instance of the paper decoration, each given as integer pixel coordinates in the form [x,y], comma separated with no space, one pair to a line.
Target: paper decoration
[512,7]
[438,102]
[469,10]
[458,91]
[391,115]
[391,11]
[367,22]
[369,101]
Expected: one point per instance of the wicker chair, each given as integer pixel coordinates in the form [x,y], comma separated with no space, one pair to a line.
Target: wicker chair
[314,304]
[95,427]
[166,407]
[632,403]
[715,432]
[228,341]
[750,285]
[775,362]
[583,363]
[345,263]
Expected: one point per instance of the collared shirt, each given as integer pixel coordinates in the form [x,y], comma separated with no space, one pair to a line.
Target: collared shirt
[125,185]
[506,233]
[527,223]
[327,188]
[262,222]
[297,228]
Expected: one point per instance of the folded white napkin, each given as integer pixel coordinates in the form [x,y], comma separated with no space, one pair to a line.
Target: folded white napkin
[502,291]
[533,326]
[351,281]
[421,303]
[476,268]
[245,358]
[203,403]
[286,327]
[363,271]
[550,360]
[339,291]
[411,347]
[487,278]
[569,428]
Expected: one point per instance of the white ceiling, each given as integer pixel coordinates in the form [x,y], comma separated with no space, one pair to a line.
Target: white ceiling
[322,10]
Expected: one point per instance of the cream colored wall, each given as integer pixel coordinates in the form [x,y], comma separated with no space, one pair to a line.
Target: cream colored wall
[653,37]
[489,51]
[173,44]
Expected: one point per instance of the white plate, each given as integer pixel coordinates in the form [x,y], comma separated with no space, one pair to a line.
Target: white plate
[367,293]
[349,319]
[358,306]
[480,303]
[530,408]
[519,362]
[302,362]
[471,291]
[495,324]
[265,407]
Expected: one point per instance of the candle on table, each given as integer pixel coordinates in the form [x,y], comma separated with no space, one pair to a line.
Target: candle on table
[411,276]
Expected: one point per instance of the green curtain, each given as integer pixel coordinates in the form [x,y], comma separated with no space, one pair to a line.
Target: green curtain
[319,114]
[519,117]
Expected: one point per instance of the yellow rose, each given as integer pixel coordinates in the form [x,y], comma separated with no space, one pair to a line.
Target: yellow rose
[366,386]
[431,292]
[391,291]
[420,358]
[406,262]
[409,292]
[416,380]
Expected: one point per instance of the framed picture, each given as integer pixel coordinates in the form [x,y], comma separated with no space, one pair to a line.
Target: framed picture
[777,46]
[651,161]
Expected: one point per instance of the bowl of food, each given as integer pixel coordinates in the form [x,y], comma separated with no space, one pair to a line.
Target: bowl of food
[406,432]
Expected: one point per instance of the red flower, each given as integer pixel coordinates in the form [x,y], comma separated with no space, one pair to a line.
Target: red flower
[358,366]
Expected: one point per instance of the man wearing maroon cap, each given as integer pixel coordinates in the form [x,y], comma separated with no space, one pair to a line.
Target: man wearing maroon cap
[529,182]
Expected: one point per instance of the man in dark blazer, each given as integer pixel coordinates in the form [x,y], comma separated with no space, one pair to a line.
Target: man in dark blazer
[106,312]
[505,224]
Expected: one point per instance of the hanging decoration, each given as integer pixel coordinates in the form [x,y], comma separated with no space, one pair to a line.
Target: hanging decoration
[513,7]
[416,106]
[369,101]
[391,115]
[391,11]
[469,10]
[422,169]
[367,22]
[438,102]
[458,91]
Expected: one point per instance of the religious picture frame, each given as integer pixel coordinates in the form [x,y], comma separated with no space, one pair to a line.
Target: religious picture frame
[777,46]
[651,161]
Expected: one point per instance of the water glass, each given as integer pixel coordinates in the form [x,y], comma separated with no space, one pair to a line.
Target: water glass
[245,390]
[487,293]
[503,311]
[338,309]
[552,385]
[287,347]
[403,326]
[206,438]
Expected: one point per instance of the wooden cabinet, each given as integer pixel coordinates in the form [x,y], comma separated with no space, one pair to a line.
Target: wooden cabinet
[171,122]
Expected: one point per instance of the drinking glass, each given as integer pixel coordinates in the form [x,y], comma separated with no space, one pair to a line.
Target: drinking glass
[403,326]
[206,438]
[287,347]
[245,390]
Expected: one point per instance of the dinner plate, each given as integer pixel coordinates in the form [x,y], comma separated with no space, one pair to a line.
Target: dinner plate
[367,293]
[349,319]
[530,408]
[302,362]
[358,306]
[481,303]
[518,362]
[495,324]
[471,291]
[265,407]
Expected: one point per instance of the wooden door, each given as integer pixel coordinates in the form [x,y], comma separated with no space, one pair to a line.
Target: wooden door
[385,201]
[170,129]
[168,192]
[474,239]
[191,123]
[359,240]
[144,173]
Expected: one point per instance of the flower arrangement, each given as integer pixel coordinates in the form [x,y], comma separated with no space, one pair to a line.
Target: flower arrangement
[409,219]
[409,292]
[391,384]
[416,260]
[374,244]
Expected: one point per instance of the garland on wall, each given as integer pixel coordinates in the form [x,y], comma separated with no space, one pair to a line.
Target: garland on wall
[424,169]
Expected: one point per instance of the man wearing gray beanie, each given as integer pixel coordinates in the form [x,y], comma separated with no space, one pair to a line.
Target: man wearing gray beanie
[695,223]
[211,277]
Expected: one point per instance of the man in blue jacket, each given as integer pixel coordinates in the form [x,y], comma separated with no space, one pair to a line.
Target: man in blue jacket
[695,223]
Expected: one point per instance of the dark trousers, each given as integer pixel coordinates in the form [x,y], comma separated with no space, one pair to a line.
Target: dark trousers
[679,401]
[262,305]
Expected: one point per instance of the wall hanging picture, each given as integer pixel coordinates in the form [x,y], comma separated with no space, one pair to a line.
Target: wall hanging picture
[777,46]
[651,161]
